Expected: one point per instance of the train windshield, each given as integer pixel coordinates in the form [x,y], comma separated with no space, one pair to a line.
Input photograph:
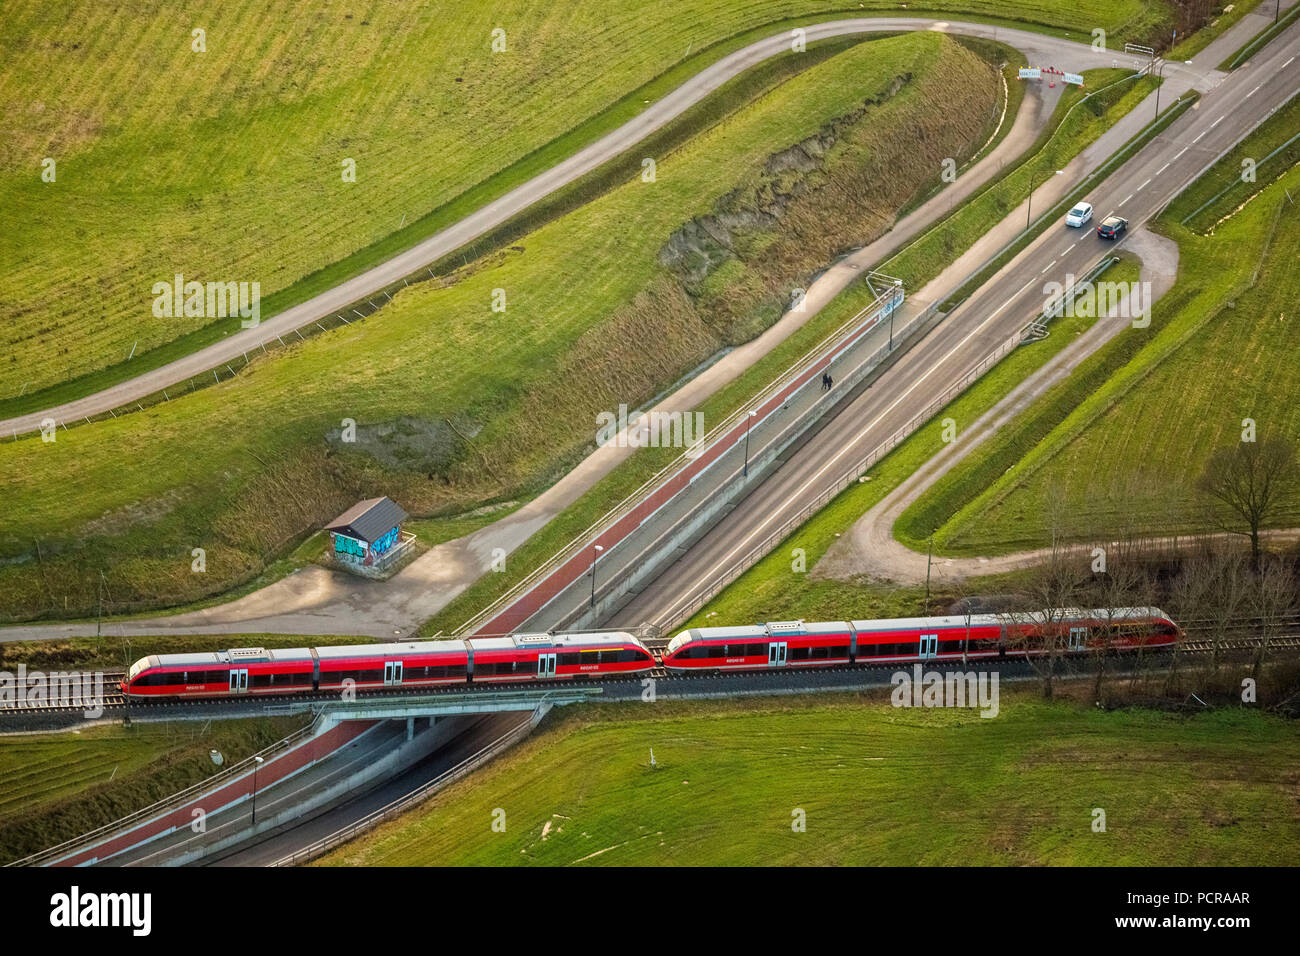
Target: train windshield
[136,668]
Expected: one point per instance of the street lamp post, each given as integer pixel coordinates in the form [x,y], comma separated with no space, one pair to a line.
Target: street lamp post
[1159,75]
[594,554]
[892,309]
[748,422]
[1029,205]
[257,763]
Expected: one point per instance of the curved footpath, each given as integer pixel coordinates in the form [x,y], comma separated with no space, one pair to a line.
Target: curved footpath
[1036,47]
[319,601]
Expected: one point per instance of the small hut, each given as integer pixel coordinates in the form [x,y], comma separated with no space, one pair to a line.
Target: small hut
[368,537]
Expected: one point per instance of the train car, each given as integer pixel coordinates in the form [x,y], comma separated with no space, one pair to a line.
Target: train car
[250,670]
[363,667]
[907,640]
[925,638]
[778,644]
[1089,629]
[533,657]
[406,664]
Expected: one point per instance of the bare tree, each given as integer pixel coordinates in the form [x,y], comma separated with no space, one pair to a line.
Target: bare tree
[1110,592]
[1190,591]
[1273,597]
[1249,480]
[1052,594]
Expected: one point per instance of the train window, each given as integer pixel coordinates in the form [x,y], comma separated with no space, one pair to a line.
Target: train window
[840,650]
[570,658]
[798,654]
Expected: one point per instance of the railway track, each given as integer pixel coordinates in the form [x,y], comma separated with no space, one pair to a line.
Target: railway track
[115,704]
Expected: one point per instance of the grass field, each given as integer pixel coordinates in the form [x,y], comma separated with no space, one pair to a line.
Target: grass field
[878,786]
[1151,408]
[54,787]
[481,403]
[226,164]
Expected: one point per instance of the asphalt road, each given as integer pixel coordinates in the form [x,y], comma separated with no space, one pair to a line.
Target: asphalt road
[479,732]
[1039,49]
[1136,191]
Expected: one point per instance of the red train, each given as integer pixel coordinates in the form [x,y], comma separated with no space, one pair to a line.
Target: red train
[494,660]
[905,640]
[538,657]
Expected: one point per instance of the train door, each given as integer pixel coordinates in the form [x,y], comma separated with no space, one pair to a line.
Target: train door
[1078,638]
[929,646]
[392,673]
[776,652]
[545,665]
[239,681]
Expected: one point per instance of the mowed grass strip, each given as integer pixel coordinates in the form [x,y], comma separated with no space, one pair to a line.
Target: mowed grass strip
[457,404]
[1255,162]
[225,164]
[1122,452]
[54,787]
[877,785]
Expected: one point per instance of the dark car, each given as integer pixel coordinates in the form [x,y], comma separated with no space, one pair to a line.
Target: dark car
[1112,227]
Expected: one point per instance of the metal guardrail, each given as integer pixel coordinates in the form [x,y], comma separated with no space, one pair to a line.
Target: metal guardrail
[99,834]
[581,541]
[462,769]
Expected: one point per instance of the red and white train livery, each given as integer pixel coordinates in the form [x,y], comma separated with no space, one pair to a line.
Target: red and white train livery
[904,640]
[525,658]
[488,660]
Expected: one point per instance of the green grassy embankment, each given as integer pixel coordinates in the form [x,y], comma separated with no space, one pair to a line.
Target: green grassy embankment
[54,787]
[877,786]
[241,145]
[458,405]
